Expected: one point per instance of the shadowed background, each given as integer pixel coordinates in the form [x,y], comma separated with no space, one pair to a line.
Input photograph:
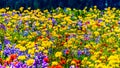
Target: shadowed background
[48,4]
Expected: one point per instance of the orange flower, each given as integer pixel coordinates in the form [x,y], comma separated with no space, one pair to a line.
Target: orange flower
[80,43]
[1,61]
[58,66]
[63,62]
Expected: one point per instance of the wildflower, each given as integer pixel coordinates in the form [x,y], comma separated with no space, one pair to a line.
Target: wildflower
[30,62]
[58,54]
[1,61]
[73,62]
[2,26]
[46,59]
[96,33]
[22,48]
[21,9]
[54,63]
[72,66]
[13,56]
[6,41]
[79,53]
[80,23]
[21,57]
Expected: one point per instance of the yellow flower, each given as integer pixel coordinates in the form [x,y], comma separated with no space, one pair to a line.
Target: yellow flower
[7,8]
[54,63]
[30,62]
[41,48]
[91,65]
[37,23]
[31,51]
[58,54]
[22,48]
[30,45]
[101,65]
[1,52]
[45,51]
[21,9]
[23,57]
[96,33]
[73,62]
[46,44]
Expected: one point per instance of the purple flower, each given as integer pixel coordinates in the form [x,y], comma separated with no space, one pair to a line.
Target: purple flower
[100,20]
[37,61]
[54,21]
[6,51]
[80,23]
[47,31]
[2,26]
[6,41]
[79,53]
[44,64]
[24,66]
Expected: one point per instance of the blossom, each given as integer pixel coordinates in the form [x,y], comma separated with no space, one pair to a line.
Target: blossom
[21,57]
[54,63]
[6,41]
[30,62]
[58,54]
[2,26]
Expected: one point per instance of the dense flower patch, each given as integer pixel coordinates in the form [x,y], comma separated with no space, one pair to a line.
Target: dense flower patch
[60,38]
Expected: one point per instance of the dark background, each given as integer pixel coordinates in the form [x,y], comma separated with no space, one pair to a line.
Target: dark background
[48,4]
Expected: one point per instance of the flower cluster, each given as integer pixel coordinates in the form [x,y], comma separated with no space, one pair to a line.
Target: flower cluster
[60,38]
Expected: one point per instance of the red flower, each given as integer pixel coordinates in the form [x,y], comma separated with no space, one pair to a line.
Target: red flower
[66,39]
[67,35]
[13,56]
[48,37]
[40,37]
[46,59]
[58,66]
